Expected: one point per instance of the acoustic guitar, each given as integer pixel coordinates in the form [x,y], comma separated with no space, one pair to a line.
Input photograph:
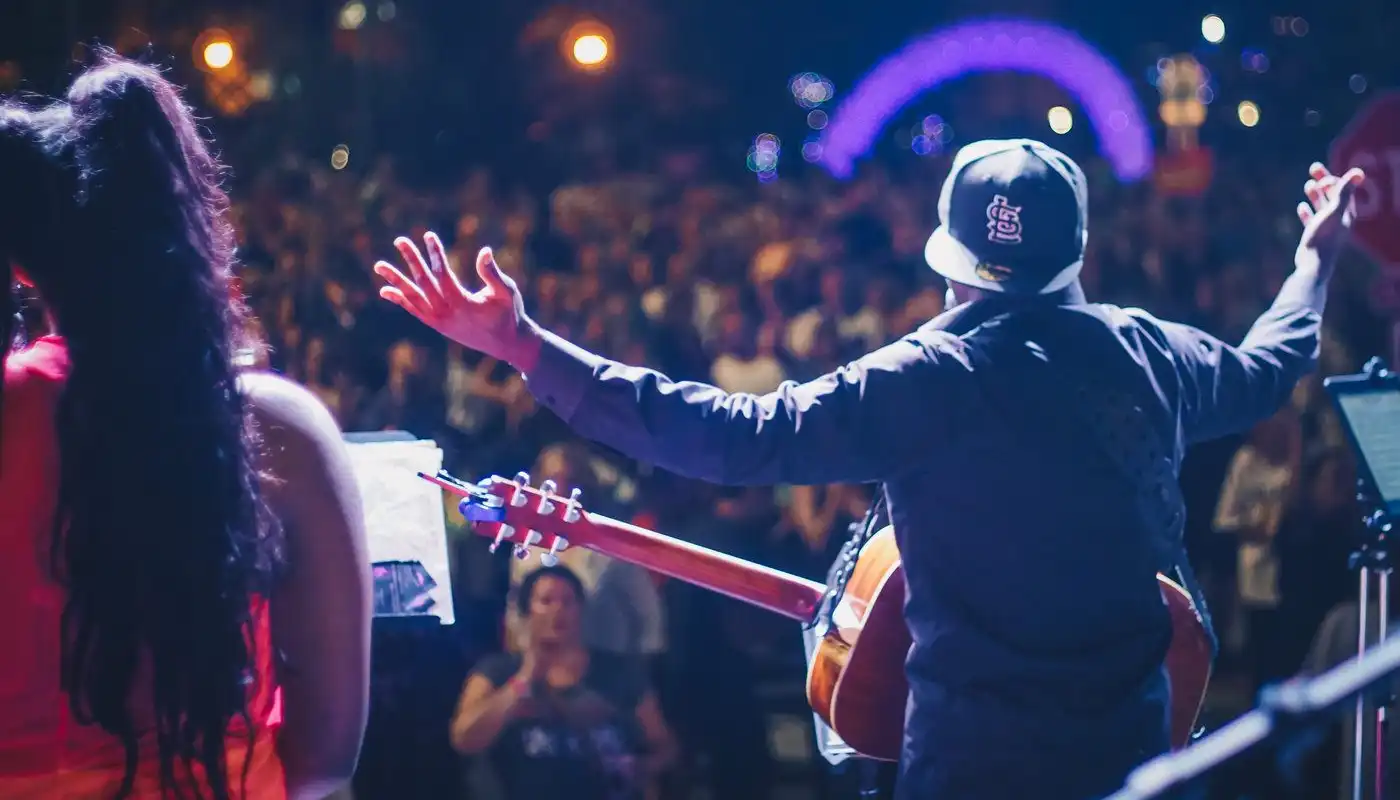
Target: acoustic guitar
[855,679]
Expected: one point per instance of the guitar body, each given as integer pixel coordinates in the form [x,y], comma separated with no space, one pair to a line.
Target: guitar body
[856,681]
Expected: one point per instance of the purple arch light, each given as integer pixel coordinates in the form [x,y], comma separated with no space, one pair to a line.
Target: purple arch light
[998,44]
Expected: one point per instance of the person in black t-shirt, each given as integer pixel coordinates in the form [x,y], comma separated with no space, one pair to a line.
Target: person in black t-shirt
[559,721]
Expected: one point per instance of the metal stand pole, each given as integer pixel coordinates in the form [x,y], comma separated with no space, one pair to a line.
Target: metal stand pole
[1383,703]
[1374,561]
[1359,730]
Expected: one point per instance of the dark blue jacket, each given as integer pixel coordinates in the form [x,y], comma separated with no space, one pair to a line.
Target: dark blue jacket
[1029,453]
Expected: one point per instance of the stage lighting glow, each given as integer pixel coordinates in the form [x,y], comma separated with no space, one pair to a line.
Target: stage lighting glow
[218,54]
[1106,96]
[1249,114]
[590,50]
[1061,121]
[1213,29]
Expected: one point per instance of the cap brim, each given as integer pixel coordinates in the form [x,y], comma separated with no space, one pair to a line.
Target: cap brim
[946,256]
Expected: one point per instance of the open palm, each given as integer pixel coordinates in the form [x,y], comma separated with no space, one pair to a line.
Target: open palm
[491,320]
[1327,215]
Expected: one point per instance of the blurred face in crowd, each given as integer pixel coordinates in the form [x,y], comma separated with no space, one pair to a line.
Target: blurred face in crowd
[315,357]
[335,294]
[639,270]
[553,464]
[590,259]
[833,288]
[734,335]
[517,229]
[678,272]
[363,244]
[547,289]
[403,361]
[619,250]
[555,612]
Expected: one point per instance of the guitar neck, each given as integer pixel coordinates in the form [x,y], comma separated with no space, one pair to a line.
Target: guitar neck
[751,583]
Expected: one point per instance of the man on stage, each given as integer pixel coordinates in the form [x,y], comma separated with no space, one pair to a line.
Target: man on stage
[1028,443]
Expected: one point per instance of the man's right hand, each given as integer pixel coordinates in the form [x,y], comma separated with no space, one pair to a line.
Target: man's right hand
[491,321]
[1326,217]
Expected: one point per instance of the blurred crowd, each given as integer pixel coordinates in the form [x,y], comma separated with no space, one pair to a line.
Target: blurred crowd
[746,286]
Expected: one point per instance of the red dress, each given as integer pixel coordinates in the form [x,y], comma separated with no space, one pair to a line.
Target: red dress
[44,754]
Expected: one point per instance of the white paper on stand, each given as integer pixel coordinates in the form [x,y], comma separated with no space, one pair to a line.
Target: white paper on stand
[404,515]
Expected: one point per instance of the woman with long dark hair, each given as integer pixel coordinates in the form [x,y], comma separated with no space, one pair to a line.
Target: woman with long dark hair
[186,598]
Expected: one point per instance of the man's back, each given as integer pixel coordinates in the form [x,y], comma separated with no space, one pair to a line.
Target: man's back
[1031,543]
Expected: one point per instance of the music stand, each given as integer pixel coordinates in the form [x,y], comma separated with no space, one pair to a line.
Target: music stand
[1369,406]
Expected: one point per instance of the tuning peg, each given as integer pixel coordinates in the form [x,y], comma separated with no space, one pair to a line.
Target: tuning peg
[573,506]
[521,552]
[546,505]
[502,535]
[518,498]
[533,538]
[551,558]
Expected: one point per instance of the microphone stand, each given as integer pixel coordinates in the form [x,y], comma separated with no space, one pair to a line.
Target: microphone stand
[1290,714]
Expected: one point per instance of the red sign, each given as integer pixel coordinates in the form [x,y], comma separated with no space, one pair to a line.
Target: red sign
[1372,141]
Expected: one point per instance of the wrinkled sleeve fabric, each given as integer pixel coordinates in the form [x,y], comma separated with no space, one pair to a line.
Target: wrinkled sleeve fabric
[1226,389]
[864,422]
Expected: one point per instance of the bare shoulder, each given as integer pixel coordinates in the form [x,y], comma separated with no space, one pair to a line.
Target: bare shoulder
[311,481]
[285,409]
[301,442]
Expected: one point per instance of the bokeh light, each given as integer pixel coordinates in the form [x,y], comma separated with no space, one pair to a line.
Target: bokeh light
[763,156]
[1213,29]
[590,50]
[340,157]
[218,54]
[352,15]
[810,90]
[1060,119]
[1248,113]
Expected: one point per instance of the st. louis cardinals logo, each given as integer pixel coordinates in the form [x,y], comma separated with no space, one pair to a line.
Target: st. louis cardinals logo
[1003,222]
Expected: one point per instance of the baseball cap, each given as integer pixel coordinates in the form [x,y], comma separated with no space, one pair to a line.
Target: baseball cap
[1013,218]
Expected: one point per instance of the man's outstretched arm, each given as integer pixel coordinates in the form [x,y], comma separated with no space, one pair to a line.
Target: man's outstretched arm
[865,421]
[1230,389]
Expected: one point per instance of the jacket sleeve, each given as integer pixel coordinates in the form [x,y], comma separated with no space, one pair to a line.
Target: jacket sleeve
[1226,389]
[864,422]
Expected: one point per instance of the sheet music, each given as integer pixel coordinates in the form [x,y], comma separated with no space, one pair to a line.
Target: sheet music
[404,514]
[1374,418]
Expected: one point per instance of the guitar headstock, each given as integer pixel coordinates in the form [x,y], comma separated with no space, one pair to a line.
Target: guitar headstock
[514,512]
